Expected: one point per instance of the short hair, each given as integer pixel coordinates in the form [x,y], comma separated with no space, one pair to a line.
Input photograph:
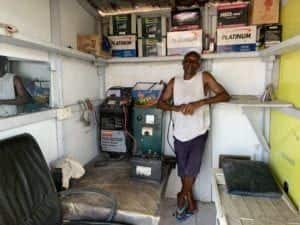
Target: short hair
[193,53]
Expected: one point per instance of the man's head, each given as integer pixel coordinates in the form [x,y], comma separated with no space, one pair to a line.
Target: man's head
[3,65]
[191,63]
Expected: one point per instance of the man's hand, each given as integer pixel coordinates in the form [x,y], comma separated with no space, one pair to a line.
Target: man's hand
[190,108]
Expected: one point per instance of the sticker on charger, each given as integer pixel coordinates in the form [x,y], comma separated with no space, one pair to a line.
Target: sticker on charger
[143,171]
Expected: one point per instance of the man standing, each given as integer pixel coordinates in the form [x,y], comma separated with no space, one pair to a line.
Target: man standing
[191,123]
[12,91]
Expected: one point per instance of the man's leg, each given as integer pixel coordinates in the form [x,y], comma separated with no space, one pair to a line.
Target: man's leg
[188,183]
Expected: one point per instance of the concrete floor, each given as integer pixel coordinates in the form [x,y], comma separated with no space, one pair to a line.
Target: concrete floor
[206,214]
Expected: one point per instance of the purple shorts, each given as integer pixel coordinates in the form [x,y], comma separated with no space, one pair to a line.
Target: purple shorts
[189,155]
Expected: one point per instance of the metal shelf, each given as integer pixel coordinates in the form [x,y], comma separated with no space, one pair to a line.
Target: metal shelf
[49,47]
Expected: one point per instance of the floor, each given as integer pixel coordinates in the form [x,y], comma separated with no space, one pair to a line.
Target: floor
[206,214]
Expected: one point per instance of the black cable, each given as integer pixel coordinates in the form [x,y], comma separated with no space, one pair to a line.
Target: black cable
[168,132]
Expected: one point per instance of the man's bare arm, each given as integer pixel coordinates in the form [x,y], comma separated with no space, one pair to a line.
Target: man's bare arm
[21,94]
[166,97]
[209,82]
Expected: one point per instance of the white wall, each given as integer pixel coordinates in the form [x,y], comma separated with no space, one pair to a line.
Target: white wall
[31,17]
[80,81]
[74,20]
[44,133]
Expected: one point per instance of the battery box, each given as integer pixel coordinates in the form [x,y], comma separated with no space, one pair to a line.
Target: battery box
[148,169]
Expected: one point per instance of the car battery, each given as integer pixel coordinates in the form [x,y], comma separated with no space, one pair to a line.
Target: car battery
[123,46]
[270,34]
[186,20]
[152,27]
[182,42]
[236,39]
[122,25]
[147,124]
[233,14]
[152,47]
[146,168]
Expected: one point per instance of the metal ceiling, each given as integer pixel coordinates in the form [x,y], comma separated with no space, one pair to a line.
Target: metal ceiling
[115,7]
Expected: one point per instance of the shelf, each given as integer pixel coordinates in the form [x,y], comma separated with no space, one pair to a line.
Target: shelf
[20,120]
[290,45]
[49,47]
[254,102]
[228,55]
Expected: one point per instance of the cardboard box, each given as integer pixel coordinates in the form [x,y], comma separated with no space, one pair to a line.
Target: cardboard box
[232,14]
[182,42]
[122,25]
[237,39]
[264,11]
[152,27]
[186,20]
[91,44]
[270,34]
[123,46]
[152,47]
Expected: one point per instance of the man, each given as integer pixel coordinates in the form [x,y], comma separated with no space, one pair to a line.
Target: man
[12,91]
[191,122]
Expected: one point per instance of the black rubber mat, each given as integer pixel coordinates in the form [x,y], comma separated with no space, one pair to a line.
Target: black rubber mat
[250,178]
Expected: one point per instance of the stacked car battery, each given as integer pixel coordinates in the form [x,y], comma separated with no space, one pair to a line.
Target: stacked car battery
[244,26]
[122,35]
[186,33]
[152,32]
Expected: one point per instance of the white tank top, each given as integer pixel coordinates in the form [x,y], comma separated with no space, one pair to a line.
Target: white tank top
[187,127]
[7,92]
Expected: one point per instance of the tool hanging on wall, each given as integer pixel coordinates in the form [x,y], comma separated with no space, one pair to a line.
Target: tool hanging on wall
[9,29]
[88,114]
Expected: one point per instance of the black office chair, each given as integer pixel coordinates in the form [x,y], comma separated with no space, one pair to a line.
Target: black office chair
[27,191]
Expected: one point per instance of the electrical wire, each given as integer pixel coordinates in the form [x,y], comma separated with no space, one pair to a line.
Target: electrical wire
[168,132]
[127,132]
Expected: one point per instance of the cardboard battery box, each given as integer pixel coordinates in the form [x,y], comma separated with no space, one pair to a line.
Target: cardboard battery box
[236,39]
[122,25]
[152,27]
[91,44]
[123,46]
[182,42]
[152,47]
[270,34]
[264,11]
[232,14]
[186,20]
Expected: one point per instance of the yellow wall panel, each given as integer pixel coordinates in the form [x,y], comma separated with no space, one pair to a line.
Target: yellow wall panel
[285,130]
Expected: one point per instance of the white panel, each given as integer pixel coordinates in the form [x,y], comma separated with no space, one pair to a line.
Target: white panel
[80,142]
[44,133]
[74,20]
[31,17]
[23,53]
[241,77]
[80,81]
[31,70]
[232,134]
